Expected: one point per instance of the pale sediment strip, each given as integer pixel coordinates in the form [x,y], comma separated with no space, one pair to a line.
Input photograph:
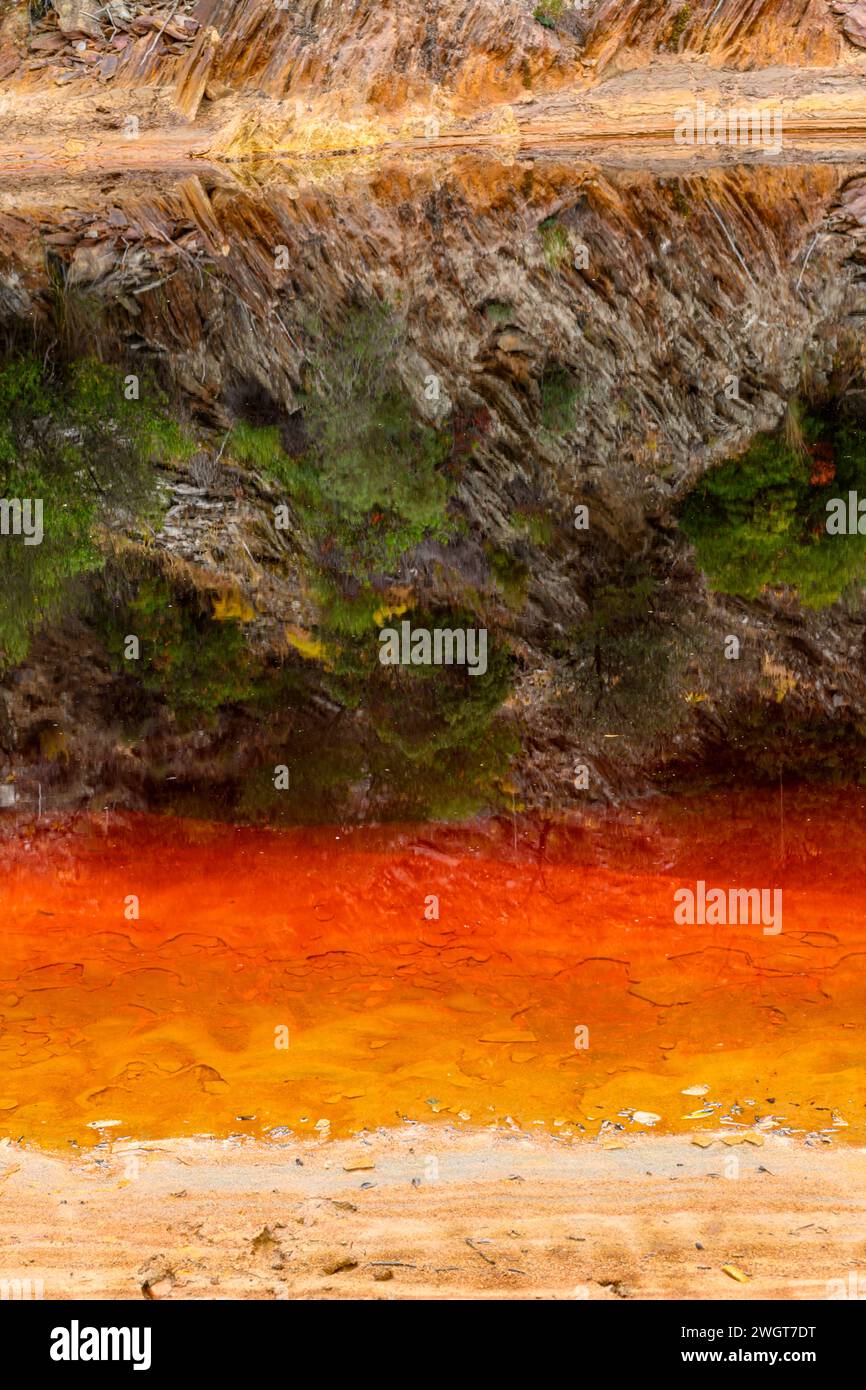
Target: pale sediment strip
[434,1212]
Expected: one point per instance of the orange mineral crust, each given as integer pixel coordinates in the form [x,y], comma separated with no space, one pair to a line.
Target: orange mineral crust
[165,978]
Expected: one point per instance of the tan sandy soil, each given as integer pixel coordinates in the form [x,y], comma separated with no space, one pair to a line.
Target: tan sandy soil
[426,1212]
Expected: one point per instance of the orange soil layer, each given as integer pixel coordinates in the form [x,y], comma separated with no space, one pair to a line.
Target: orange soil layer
[171,1024]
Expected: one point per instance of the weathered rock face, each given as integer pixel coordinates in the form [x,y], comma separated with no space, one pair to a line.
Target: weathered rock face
[646,294]
[649,294]
[325,75]
[388,55]
[854,23]
[381,58]
[734,33]
[74,41]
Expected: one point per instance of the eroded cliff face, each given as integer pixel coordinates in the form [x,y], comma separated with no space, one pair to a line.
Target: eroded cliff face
[244,77]
[342,72]
[726,33]
[390,55]
[647,289]
[577,337]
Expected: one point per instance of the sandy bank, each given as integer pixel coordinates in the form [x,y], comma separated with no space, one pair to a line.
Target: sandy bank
[429,1213]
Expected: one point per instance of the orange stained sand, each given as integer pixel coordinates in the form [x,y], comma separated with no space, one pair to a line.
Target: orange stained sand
[293,979]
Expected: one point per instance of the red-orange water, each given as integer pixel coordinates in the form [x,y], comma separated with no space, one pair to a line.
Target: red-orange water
[173,1023]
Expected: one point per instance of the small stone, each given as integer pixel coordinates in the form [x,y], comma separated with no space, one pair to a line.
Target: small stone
[75,17]
[854,25]
[512,341]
